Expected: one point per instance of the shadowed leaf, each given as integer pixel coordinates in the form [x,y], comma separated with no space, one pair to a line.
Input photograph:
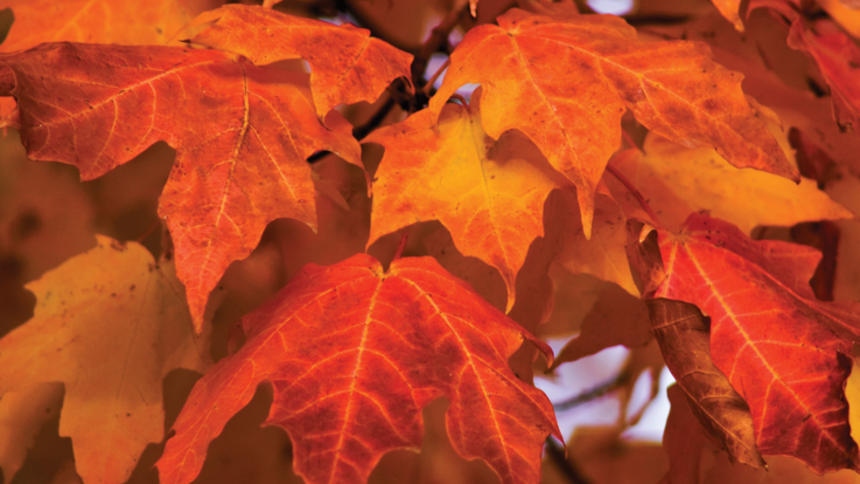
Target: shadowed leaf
[838,58]
[109,324]
[241,132]
[683,336]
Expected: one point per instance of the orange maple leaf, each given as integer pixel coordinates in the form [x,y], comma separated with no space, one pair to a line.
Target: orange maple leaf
[729,10]
[98,21]
[838,58]
[101,21]
[678,181]
[111,360]
[489,195]
[835,53]
[242,134]
[354,354]
[783,351]
[566,84]
[347,64]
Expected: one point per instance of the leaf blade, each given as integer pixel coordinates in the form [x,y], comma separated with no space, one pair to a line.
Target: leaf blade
[113,398]
[245,169]
[673,88]
[490,196]
[395,341]
[796,364]
[347,64]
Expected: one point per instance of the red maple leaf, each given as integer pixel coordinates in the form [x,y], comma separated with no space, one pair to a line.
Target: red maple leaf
[354,354]
[783,351]
[242,134]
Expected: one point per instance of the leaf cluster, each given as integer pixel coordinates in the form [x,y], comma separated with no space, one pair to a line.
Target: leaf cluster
[362,223]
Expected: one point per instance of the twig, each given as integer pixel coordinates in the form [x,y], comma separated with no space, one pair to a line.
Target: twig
[564,464]
[149,230]
[401,245]
[629,140]
[647,20]
[619,381]
[438,38]
[359,132]
[427,87]
[397,95]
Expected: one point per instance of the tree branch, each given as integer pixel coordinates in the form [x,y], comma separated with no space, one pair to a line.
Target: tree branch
[623,378]
[563,462]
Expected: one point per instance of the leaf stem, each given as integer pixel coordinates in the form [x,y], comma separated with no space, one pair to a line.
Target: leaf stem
[401,246]
[633,191]
[629,139]
[437,40]
[359,132]
[427,87]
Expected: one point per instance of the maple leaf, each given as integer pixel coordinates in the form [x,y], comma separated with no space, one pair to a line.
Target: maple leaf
[678,181]
[845,12]
[781,349]
[347,64]
[566,84]
[353,354]
[113,398]
[765,78]
[838,58]
[245,452]
[729,10]
[603,255]
[602,314]
[836,55]
[100,21]
[8,114]
[142,22]
[695,458]
[490,196]
[22,414]
[682,333]
[241,132]
[847,280]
